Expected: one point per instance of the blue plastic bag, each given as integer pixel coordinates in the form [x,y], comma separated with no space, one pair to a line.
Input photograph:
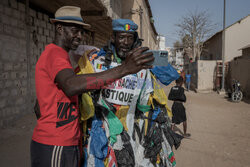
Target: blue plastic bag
[155,114]
[165,74]
[98,142]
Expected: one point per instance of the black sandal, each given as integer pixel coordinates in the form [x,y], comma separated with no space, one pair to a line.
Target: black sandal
[187,135]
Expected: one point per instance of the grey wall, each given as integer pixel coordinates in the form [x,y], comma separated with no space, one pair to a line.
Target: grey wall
[17,95]
[239,70]
[202,75]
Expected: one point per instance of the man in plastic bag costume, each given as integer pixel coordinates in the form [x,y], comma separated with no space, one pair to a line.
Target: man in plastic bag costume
[126,123]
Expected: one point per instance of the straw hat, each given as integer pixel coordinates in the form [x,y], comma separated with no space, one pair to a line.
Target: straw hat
[69,14]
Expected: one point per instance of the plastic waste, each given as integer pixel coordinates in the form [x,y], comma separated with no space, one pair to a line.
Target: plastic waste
[125,157]
[153,142]
[173,138]
[98,143]
[165,74]
[115,126]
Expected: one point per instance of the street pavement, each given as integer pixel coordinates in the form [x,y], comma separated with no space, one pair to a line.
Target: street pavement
[220,135]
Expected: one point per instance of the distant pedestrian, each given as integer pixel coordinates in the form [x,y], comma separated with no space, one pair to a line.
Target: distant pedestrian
[179,114]
[188,81]
[183,75]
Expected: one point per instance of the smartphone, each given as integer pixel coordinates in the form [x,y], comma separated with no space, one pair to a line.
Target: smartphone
[161,58]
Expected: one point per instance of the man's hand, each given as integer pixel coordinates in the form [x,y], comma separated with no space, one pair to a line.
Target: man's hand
[136,60]
[73,84]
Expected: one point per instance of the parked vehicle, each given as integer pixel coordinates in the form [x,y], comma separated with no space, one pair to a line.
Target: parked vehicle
[236,94]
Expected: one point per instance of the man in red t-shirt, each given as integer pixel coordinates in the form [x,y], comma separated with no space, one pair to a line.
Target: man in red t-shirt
[56,136]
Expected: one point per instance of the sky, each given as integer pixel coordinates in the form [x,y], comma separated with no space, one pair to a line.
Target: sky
[167,13]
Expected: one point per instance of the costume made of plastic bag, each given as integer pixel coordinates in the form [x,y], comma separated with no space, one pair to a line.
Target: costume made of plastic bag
[128,122]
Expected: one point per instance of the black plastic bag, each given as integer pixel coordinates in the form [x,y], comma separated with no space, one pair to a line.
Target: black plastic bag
[173,138]
[153,143]
[125,157]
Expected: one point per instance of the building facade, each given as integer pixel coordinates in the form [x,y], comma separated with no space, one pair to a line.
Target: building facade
[161,41]
[236,36]
[140,12]
[179,58]
[171,55]
[237,42]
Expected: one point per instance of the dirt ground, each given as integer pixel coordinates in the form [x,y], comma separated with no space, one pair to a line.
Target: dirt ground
[220,135]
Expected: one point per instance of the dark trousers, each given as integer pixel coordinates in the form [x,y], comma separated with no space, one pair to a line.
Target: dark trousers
[53,156]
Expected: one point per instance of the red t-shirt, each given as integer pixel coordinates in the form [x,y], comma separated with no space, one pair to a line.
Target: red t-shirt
[58,124]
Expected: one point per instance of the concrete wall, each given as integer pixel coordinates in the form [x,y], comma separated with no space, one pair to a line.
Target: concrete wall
[206,75]
[239,70]
[246,53]
[17,94]
[202,75]
[114,8]
[237,36]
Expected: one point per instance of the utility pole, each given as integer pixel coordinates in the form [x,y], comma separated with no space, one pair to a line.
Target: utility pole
[223,48]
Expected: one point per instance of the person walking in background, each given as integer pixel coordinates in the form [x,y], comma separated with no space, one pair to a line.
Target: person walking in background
[183,75]
[188,80]
[179,112]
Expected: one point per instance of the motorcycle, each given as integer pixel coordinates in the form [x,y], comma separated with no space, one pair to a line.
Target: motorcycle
[236,95]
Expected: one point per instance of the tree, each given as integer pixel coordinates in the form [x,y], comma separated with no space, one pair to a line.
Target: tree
[177,45]
[187,41]
[194,27]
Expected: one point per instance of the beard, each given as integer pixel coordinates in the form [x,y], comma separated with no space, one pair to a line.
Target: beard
[74,47]
[122,55]
[74,44]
